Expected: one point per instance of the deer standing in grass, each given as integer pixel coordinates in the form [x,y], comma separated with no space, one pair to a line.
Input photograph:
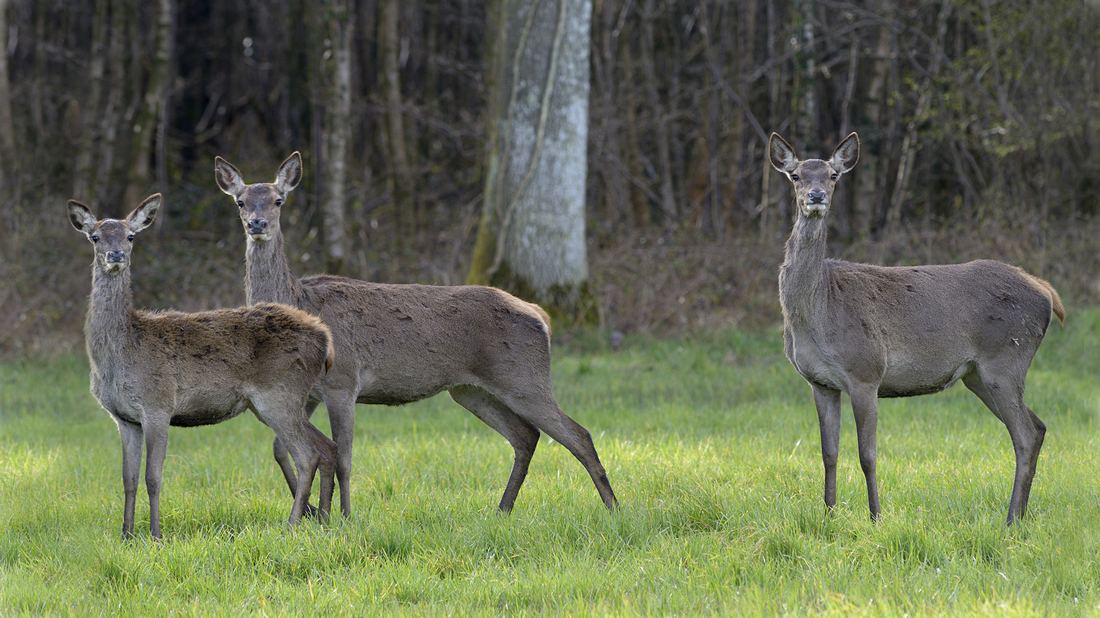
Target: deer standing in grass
[401,343]
[876,331]
[150,370]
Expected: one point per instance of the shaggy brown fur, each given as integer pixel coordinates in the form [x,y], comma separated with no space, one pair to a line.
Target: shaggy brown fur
[150,370]
[400,343]
[877,331]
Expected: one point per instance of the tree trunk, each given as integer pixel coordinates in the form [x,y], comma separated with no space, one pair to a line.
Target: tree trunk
[404,196]
[336,132]
[613,168]
[532,235]
[150,109]
[105,184]
[909,142]
[868,187]
[639,201]
[7,126]
[90,110]
[660,120]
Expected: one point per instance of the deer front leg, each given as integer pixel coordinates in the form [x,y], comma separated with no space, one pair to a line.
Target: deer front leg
[828,417]
[865,406]
[341,415]
[131,467]
[156,444]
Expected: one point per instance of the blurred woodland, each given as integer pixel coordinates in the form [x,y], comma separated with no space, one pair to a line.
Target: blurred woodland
[978,122]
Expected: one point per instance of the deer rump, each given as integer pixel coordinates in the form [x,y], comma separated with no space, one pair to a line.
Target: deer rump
[917,330]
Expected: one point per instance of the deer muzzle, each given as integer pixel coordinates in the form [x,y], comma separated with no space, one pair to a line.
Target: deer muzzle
[114,261]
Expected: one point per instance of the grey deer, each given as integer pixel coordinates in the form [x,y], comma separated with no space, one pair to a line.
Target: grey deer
[876,331]
[400,343]
[150,370]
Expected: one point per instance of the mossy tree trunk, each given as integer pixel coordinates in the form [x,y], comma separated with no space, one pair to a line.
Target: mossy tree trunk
[531,239]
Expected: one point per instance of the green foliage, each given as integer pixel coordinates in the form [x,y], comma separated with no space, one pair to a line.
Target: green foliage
[711,443]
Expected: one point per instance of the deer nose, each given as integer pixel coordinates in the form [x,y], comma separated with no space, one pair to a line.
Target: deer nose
[816,196]
[257,226]
[116,257]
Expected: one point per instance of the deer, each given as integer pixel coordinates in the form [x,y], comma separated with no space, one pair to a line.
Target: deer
[399,343]
[155,369]
[878,331]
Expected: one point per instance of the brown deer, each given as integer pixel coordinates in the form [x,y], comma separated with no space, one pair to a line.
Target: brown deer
[150,370]
[876,331]
[401,343]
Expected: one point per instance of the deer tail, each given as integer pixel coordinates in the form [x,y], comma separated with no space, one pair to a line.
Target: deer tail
[1044,286]
[330,351]
[545,317]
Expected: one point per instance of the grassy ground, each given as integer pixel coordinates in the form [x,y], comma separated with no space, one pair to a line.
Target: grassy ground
[711,445]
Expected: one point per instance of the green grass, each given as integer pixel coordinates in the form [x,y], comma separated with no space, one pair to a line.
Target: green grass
[711,444]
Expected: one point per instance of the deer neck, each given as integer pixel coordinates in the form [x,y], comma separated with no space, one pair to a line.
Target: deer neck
[267,276]
[108,328]
[802,276]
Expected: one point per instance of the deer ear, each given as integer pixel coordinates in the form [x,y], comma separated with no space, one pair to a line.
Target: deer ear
[143,215]
[81,217]
[781,154]
[846,154]
[290,173]
[228,177]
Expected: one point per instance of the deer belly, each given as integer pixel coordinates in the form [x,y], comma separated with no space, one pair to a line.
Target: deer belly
[208,410]
[398,385]
[911,379]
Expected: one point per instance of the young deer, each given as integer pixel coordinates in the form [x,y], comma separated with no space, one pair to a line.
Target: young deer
[400,343]
[150,370]
[877,331]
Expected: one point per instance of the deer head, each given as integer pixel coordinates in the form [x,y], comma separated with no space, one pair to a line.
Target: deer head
[113,239]
[814,179]
[259,204]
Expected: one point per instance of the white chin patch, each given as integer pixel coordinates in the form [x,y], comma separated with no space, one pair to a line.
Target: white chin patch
[260,237]
[114,267]
[817,210]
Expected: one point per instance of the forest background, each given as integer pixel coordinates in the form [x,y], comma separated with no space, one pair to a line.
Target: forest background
[978,122]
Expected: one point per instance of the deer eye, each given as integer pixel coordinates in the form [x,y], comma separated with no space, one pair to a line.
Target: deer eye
[834,176]
[279,202]
[795,177]
[95,237]
[130,237]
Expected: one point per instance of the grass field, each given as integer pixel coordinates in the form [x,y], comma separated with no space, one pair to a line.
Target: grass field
[710,443]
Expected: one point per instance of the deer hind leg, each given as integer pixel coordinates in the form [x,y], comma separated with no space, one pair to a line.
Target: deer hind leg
[307,461]
[827,401]
[865,406]
[312,451]
[1003,393]
[287,421]
[282,457]
[538,407]
[1041,430]
[519,433]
